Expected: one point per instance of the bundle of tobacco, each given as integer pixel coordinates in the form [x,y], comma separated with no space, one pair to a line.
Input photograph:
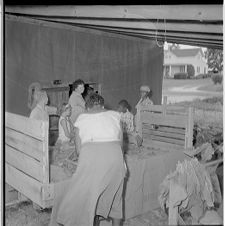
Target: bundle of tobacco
[194,191]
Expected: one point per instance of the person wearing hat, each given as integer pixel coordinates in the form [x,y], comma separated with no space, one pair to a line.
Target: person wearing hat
[145,99]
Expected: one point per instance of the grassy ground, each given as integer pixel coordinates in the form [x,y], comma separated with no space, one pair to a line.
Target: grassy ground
[190,89]
[207,112]
[204,84]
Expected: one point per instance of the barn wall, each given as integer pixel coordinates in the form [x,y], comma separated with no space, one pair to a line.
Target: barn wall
[41,52]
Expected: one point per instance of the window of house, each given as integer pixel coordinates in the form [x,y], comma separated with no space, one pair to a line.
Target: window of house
[182,68]
[198,69]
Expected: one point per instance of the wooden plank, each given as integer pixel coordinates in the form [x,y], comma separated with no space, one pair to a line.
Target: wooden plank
[56,89]
[11,195]
[189,129]
[152,108]
[176,108]
[167,120]
[48,192]
[26,185]
[47,203]
[161,145]
[168,12]
[45,159]
[182,37]
[163,134]
[169,109]
[214,38]
[171,130]
[31,127]
[160,33]
[164,105]
[24,163]
[218,44]
[164,139]
[148,25]
[24,143]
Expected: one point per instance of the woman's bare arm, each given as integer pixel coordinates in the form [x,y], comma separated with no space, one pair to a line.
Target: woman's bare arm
[64,126]
[77,140]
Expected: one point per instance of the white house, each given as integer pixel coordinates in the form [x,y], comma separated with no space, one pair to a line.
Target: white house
[176,60]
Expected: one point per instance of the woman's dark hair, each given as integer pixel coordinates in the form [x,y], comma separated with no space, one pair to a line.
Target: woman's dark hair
[150,94]
[101,100]
[63,107]
[87,91]
[94,99]
[77,83]
[125,104]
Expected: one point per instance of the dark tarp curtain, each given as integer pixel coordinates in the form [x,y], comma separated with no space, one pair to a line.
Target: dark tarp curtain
[45,51]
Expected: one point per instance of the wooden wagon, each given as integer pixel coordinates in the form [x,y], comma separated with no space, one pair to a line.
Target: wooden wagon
[27,165]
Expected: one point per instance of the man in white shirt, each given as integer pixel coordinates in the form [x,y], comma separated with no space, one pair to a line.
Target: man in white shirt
[76,100]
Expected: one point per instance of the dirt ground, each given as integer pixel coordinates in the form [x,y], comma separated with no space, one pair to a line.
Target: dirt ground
[24,214]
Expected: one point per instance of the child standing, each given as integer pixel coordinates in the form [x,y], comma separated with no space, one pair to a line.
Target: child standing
[127,122]
[66,128]
[127,118]
[65,143]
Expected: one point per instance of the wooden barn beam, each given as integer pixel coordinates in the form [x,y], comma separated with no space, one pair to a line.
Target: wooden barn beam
[168,12]
[201,43]
[23,19]
[168,26]
[203,36]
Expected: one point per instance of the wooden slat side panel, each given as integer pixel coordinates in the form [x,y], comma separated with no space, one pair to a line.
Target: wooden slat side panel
[24,143]
[24,163]
[25,125]
[26,185]
[180,131]
[166,140]
[165,120]
[161,145]
[45,166]
[152,108]
[164,134]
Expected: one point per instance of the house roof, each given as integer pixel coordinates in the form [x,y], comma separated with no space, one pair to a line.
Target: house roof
[186,52]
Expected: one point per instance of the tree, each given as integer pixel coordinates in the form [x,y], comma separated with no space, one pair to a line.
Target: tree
[214,59]
[190,70]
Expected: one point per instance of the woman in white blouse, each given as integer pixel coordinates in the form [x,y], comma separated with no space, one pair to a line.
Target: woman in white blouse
[97,185]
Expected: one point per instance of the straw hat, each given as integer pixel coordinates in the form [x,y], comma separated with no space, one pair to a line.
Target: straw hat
[145,88]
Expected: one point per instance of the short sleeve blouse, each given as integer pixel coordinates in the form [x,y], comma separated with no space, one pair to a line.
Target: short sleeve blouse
[99,127]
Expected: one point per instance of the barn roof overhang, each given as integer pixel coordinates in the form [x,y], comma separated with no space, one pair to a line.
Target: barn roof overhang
[198,25]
